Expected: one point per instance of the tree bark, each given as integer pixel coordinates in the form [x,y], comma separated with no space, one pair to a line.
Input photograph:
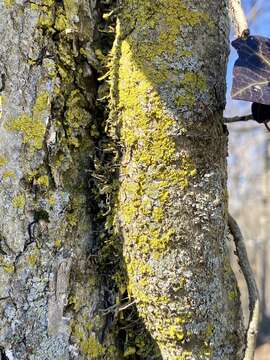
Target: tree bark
[113,231]
[50,294]
[167,98]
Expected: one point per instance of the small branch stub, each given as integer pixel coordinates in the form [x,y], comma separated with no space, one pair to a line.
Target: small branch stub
[238,118]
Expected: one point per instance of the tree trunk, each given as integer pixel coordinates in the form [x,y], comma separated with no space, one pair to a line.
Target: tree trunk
[50,292]
[113,228]
[169,62]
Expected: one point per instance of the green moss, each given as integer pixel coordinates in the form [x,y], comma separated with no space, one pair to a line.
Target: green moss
[209,331]
[232,295]
[74,210]
[89,345]
[191,80]
[76,115]
[129,351]
[185,100]
[19,201]
[71,8]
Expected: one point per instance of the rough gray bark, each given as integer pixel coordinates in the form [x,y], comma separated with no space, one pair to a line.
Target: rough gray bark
[95,265]
[50,295]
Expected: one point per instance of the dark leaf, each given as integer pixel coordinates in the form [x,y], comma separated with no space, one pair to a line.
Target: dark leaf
[260,112]
[251,73]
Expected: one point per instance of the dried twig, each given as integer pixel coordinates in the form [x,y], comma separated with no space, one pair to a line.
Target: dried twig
[254,307]
[116,308]
[238,118]
[244,118]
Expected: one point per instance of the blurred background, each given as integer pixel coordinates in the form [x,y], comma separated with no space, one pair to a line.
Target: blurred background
[249,182]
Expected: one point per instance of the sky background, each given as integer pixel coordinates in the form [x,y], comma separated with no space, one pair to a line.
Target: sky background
[259,25]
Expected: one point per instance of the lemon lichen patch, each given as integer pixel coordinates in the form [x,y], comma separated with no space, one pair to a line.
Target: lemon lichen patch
[3,161]
[19,201]
[160,27]
[33,127]
[32,131]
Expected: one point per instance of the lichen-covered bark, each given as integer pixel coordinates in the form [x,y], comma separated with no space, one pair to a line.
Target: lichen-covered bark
[167,97]
[113,232]
[50,294]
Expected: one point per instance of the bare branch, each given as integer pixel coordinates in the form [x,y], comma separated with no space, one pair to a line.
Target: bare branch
[254,307]
[237,118]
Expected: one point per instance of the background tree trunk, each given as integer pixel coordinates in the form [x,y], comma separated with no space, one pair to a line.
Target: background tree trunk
[82,232]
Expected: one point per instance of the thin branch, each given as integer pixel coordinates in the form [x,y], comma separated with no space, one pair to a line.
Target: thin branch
[254,306]
[238,118]
[238,18]
[267,126]
[117,307]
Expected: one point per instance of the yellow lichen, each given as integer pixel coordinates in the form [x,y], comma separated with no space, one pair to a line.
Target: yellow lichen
[32,259]
[60,22]
[43,181]
[32,128]
[42,105]
[155,166]
[8,174]
[58,243]
[145,129]
[9,268]
[51,200]
[3,161]
[160,26]
[176,332]
[8,3]
[33,131]
[18,201]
